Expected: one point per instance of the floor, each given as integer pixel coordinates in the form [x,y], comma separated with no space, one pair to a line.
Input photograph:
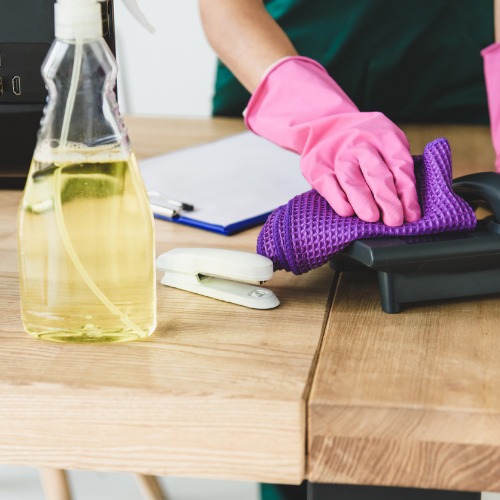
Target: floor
[22,483]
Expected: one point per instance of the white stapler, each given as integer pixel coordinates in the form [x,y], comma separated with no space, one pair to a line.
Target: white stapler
[229,275]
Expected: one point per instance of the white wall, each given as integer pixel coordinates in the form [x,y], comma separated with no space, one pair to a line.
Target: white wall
[171,72]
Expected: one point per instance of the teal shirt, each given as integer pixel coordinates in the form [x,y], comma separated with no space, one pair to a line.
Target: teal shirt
[414,60]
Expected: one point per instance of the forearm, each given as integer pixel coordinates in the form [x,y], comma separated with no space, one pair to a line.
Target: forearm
[245,37]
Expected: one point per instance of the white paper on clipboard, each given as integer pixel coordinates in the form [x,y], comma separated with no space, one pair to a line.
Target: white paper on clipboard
[229,181]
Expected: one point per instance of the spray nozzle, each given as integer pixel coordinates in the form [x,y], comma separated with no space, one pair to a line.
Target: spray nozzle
[134,9]
[77,20]
[81,19]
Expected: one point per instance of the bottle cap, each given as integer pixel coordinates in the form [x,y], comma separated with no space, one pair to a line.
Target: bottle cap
[78,20]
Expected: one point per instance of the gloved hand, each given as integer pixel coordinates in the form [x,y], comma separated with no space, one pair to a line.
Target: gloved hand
[359,162]
[491,60]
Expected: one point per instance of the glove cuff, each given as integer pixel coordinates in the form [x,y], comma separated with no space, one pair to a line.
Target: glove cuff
[294,92]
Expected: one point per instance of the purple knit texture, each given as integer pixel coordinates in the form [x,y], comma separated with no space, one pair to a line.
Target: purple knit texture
[306,232]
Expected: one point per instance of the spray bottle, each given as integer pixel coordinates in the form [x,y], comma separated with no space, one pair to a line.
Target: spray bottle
[85,228]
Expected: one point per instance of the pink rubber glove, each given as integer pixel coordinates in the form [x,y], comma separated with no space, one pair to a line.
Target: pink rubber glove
[359,162]
[491,60]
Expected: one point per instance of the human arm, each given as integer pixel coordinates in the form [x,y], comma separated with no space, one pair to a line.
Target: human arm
[359,162]
[245,37]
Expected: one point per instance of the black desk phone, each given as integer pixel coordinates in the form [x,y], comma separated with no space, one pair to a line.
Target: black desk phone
[26,33]
[440,266]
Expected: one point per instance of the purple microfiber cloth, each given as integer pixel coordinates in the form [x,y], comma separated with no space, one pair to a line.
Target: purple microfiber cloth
[306,232]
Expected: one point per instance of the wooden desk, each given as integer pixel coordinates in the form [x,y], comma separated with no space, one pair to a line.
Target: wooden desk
[410,399]
[219,390]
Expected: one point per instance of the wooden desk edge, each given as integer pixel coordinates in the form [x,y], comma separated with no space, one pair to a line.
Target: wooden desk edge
[364,458]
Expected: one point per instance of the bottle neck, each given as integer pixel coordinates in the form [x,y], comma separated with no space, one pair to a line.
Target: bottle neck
[82,108]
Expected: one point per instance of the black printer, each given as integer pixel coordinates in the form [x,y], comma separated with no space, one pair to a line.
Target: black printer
[26,33]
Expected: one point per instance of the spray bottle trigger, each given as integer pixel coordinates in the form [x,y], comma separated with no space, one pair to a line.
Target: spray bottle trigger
[134,9]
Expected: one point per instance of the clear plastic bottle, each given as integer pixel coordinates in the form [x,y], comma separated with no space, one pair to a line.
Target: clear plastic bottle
[85,228]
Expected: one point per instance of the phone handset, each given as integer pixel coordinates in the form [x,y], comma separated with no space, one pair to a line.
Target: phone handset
[481,187]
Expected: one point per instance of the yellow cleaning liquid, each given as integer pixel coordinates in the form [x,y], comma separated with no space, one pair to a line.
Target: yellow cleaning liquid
[86,250]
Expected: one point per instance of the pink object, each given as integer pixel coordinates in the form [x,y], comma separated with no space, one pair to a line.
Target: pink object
[491,59]
[359,162]
[306,232]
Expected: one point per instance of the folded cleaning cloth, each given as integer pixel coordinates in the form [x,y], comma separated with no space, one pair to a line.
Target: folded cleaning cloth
[306,232]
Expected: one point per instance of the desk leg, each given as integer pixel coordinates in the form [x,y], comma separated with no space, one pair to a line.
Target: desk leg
[55,484]
[316,491]
[150,487]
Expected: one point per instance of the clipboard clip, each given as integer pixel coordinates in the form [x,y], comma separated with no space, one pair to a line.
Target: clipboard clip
[228,275]
[167,207]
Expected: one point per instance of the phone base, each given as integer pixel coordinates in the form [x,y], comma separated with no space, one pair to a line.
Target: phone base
[442,266]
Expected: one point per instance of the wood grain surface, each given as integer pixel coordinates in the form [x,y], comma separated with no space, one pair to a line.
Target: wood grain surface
[410,399]
[218,391]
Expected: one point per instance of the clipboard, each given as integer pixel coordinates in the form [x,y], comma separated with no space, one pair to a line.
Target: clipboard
[233,184]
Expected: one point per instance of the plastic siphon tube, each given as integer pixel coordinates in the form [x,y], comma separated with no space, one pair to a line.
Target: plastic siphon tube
[70,102]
